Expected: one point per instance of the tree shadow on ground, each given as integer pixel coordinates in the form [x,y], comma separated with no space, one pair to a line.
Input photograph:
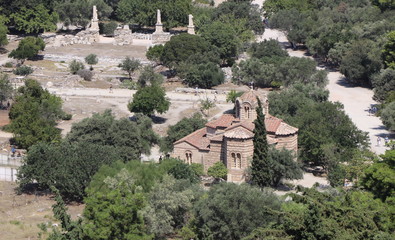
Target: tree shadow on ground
[158,119]
[344,83]
[38,57]
[155,119]
[3,50]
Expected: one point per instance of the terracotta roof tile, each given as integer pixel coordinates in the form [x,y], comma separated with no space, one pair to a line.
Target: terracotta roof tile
[197,139]
[218,137]
[239,133]
[223,121]
[285,129]
[246,124]
[272,123]
[251,96]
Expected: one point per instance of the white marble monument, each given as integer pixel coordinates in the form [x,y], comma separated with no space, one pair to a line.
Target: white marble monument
[191,27]
[159,25]
[95,20]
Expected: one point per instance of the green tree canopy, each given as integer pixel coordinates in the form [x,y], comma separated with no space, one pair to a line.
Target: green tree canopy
[122,204]
[34,114]
[267,49]
[383,84]
[143,13]
[181,47]
[218,170]
[129,139]
[231,211]
[170,204]
[360,62]
[34,20]
[3,34]
[148,100]
[148,75]
[285,165]
[27,48]
[203,75]
[224,37]
[388,116]
[380,176]
[91,59]
[389,50]
[241,10]
[331,215]
[79,12]
[67,166]
[181,170]
[130,65]
[262,167]
[154,53]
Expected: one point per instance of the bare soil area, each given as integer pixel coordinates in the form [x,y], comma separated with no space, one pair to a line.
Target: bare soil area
[20,214]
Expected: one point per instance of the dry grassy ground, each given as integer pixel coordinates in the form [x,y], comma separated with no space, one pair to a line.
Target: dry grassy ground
[20,214]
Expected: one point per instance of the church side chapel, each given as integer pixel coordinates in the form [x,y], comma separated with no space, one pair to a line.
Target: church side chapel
[229,139]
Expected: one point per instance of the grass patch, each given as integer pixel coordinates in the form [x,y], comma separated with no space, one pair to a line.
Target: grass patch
[46,64]
[15,222]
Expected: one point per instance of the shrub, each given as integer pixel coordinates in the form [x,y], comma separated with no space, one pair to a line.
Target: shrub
[67,116]
[91,59]
[23,70]
[129,84]
[154,53]
[8,65]
[218,170]
[75,66]
[109,28]
[85,74]
[388,116]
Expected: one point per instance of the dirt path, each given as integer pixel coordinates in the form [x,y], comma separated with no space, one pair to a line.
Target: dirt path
[356,100]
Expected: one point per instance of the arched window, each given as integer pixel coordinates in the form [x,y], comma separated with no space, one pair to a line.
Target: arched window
[247,112]
[235,160]
[188,157]
[233,155]
[238,160]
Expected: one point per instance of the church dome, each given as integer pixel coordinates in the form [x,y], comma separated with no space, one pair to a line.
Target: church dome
[251,96]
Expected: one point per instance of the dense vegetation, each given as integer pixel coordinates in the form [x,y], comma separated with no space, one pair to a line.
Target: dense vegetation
[147,201]
[356,36]
[70,163]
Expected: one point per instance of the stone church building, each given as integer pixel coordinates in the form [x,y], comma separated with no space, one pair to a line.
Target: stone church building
[229,139]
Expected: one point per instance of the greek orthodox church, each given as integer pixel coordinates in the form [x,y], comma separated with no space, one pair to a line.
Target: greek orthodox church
[229,139]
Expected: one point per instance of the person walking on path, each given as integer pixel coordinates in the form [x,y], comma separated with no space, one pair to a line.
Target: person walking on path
[110,88]
[378,141]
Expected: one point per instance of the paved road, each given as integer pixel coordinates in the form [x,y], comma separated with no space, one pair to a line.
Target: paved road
[356,100]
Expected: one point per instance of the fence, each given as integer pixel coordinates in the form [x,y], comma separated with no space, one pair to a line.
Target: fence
[9,167]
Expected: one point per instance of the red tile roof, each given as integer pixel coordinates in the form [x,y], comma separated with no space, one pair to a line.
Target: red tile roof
[239,133]
[272,123]
[197,139]
[223,121]
[242,130]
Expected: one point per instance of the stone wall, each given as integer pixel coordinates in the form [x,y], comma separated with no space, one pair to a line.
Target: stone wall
[289,142]
[123,37]
[246,149]
[84,37]
[181,148]
[160,38]
[215,155]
